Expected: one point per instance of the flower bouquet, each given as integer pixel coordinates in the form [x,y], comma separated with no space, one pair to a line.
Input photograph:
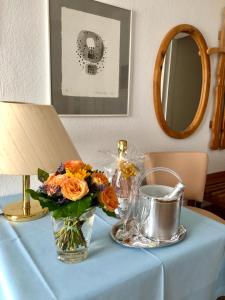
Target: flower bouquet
[71,195]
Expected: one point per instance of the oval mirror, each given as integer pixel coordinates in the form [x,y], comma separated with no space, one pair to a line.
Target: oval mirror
[181,81]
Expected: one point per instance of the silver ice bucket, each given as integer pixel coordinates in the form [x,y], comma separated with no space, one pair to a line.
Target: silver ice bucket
[159,208]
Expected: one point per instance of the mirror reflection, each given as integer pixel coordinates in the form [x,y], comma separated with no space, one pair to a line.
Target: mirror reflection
[181,82]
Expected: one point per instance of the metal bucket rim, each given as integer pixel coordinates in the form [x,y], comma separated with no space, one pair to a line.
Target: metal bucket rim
[158,199]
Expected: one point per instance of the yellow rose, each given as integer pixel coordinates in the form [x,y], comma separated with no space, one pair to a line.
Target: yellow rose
[128,169]
[74,188]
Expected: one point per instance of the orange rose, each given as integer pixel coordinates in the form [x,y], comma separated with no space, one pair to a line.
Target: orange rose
[74,165]
[55,180]
[53,184]
[109,199]
[99,178]
[74,188]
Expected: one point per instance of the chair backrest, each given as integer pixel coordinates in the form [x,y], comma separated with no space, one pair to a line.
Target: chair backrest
[190,166]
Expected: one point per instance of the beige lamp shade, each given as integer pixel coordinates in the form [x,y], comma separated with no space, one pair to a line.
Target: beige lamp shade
[31,137]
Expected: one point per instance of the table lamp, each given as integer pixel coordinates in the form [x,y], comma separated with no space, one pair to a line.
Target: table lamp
[31,137]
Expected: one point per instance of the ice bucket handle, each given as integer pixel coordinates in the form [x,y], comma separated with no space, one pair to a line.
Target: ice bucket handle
[135,187]
[157,169]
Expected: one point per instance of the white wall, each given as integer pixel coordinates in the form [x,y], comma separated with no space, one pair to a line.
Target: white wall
[24,75]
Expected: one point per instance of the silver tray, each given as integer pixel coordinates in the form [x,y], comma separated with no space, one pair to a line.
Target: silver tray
[148,243]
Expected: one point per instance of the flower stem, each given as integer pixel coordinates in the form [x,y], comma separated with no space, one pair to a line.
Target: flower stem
[70,237]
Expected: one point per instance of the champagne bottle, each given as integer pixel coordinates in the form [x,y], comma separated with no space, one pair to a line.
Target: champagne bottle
[119,182]
[122,178]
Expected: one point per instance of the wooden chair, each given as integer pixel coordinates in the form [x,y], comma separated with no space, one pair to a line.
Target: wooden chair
[191,167]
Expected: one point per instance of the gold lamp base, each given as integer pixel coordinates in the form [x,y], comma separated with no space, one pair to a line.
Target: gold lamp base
[15,211]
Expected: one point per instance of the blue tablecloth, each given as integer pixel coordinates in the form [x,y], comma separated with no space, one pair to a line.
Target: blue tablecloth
[193,269]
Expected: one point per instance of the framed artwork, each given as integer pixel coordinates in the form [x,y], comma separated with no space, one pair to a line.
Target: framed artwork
[89,58]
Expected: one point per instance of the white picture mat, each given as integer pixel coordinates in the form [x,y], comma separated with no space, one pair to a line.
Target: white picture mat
[75,82]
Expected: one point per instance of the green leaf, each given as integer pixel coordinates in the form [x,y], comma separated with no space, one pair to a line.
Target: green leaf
[51,205]
[109,213]
[35,195]
[45,200]
[73,209]
[42,175]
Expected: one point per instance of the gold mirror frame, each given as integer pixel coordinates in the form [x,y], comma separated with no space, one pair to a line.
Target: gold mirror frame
[218,120]
[200,41]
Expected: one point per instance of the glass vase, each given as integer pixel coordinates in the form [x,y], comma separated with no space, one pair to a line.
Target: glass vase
[72,236]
